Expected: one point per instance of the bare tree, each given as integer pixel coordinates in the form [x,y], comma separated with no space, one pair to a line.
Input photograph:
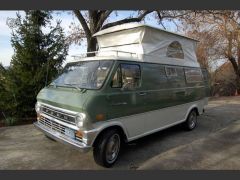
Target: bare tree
[204,47]
[223,27]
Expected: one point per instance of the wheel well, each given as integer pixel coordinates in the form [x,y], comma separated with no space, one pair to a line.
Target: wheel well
[118,128]
[195,109]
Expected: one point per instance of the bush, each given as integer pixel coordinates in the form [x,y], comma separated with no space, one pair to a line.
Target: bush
[10,121]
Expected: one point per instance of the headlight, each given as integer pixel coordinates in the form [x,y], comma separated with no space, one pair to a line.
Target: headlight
[37,107]
[80,119]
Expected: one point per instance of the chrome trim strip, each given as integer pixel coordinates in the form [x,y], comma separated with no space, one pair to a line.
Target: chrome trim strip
[63,139]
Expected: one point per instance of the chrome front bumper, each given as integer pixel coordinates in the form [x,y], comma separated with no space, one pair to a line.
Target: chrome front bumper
[62,138]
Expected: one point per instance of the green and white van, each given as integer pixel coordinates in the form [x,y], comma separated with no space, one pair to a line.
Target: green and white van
[140,81]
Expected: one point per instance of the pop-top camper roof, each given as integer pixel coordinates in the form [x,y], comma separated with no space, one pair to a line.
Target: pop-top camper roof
[145,43]
[152,44]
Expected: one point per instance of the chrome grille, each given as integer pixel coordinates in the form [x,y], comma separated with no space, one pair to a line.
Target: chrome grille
[52,125]
[58,114]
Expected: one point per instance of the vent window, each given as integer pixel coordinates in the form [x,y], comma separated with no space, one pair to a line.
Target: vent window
[175,50]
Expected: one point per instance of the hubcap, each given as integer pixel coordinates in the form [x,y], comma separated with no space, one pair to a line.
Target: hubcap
[112,149]
[192,120]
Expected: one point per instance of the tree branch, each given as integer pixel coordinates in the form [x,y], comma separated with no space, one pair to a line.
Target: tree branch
[234,64]
[127,20]
[160,20]
[104,15]
[229,53]
[172,16]
[83,23]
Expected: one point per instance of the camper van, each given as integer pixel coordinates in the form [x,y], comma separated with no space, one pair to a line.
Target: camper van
[141,80]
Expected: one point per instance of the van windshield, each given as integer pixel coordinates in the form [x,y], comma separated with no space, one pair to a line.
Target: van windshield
[85,74]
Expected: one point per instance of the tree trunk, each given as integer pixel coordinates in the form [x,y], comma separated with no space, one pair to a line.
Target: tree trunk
[236,68]
[91,46]
[238,81]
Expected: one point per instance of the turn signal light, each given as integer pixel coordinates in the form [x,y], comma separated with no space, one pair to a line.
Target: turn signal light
[100,117]
[79,134]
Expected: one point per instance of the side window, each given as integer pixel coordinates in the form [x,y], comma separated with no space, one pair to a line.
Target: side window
[175,50]
[127,76]
[175,76]
[155,76]
[171,71]
[193,75]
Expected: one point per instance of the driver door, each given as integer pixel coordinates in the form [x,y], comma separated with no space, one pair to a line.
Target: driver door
[124,101]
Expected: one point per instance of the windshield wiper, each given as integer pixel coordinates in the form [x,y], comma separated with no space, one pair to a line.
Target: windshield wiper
[73,85]
[68,85]
[53,84]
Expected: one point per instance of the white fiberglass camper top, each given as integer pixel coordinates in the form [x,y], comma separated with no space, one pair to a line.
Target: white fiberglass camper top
[147,44]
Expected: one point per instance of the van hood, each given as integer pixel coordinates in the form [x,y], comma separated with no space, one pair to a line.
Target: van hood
[66,98]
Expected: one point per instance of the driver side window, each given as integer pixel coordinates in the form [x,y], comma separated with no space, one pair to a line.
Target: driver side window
[127,76]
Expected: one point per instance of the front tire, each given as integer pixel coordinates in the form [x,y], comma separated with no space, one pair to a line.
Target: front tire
[107,148]
[191,121]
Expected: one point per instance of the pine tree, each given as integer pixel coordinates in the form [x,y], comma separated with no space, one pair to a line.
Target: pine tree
[2,88]
[39,51]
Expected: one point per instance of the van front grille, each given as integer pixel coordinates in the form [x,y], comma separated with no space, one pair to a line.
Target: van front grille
[52,125]
[62,116]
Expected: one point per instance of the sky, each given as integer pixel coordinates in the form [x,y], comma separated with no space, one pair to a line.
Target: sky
[6,50]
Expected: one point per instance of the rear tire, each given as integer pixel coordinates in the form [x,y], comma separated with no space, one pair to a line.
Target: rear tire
[107,148]
[191,121]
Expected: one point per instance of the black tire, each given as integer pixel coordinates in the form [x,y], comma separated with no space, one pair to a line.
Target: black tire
[191,121]
[100,149]
[50,138]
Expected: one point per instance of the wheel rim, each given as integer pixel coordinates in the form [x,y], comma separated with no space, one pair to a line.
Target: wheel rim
[112,149]
[192,120]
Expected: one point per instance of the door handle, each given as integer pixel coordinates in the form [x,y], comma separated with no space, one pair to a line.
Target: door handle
[119,104]
[181,92]
[142,93]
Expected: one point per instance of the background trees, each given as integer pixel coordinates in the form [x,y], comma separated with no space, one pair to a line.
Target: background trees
[222,30]
[38,46]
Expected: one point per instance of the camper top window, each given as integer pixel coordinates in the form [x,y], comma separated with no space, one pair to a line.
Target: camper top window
[175,50]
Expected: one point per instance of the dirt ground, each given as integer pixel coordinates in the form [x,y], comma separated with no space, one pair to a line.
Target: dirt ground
[214,144]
